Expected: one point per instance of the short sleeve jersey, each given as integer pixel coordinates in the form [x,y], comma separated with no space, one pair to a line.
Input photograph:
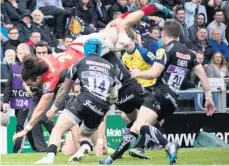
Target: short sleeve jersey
[57,64]
[96,75]
[178,60]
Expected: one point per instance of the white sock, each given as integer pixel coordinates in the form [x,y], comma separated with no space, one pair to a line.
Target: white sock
[51,156]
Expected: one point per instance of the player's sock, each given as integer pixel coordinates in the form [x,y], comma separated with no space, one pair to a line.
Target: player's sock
[153,134]
[142,142]
[124,145]
[86,143]
[51,150]
[127,128]
[147,10]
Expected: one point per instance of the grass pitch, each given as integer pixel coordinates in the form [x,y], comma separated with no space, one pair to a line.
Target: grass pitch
[186,156]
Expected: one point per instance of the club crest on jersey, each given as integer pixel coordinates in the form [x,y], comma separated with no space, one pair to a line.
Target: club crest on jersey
[151,55]
[46,87]
[183,56]
[159,54]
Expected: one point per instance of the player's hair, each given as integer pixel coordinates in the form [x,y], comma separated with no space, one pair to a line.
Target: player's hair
[131,34]
[33,67]
[172,28]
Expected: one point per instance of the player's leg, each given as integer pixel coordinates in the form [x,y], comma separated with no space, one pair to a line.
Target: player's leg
[62,125]
[90,124]
[71,144]
[147,116]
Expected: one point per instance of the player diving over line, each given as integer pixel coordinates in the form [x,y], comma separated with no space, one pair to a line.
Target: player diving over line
[111,40]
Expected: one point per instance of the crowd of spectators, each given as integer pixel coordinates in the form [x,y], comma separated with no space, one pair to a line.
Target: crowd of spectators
[204,27]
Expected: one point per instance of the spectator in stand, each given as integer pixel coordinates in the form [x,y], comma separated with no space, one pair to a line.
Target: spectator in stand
[119,6]
[218,23]
[198,23]
[202,44]
[8,61]
[226,13]
[13,41]
[40,26]
[184,34]
[67,41]
[17,98]
[131,3]
[85,11]
[5,22]
[192,9]
[218,44]
[102,16]
[191,83]
[217,69]
[15,9]
[55,8]
[24,27]
[42,49]
[69,4]
[172,4]
[151,42]
[211,6]
[34,37]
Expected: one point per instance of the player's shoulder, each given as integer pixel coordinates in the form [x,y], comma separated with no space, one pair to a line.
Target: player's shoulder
[97,60]
[141,49]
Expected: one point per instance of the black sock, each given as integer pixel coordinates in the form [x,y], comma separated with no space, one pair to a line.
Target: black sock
[127,128]
[153,134]
[87,143]
[142,142]
[52,149]
[124,145]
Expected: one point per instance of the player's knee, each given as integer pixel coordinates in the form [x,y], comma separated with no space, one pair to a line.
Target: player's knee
[125,118]
[135,128]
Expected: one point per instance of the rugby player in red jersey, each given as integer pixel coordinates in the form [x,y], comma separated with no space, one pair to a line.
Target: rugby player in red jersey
[49,76]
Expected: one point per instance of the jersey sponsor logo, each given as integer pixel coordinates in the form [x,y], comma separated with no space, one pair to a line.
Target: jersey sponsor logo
[20,93]
[88,62]
[183,56]
[125,99]
[18,75]
[182,63]
[176,69]
[100,69]
[88,104]
[157,105]
[46,87]
[151,55]
[159,54]
[169,96]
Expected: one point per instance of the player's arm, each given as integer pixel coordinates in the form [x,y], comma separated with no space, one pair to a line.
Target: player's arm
[200,73]
[65,88]
[40,109]
[156,69]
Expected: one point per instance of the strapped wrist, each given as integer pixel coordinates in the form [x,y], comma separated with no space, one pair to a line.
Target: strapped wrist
[208,95]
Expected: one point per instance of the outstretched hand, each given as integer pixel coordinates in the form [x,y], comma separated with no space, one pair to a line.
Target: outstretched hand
[209,107]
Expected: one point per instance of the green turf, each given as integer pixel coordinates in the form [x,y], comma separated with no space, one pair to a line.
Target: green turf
[196,156]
